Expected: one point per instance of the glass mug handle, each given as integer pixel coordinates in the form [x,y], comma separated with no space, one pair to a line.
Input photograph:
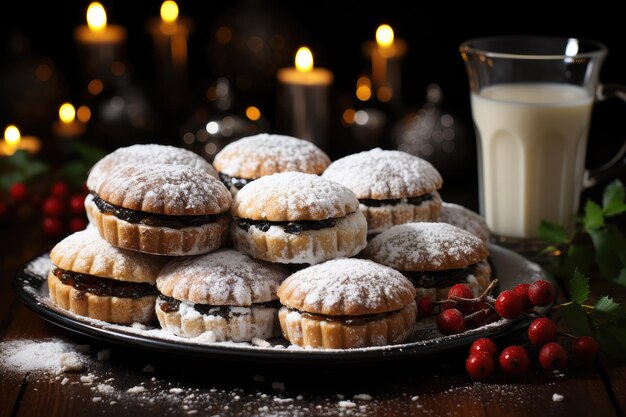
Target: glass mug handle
[618,163]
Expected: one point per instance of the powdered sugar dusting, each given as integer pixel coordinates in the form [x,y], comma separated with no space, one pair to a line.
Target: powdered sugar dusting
[52,354]
[293,196]
[225,277]
[264,154]
[346,287]
[165,189]
[151,154]
[428,246]
[464,218]
[382,174]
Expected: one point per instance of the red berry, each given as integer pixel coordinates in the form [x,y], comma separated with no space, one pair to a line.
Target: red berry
[509,305]
[514,361]
[77,204]
[52,226]
[541,293]
[585,348]
[553,356]
[479,318]
[451,321]
[18,191]
[77,224]
[461,291]
[542,331]
[52,207]
[480,365]
[60,189]
[522,291]
[425,306]
[484,345]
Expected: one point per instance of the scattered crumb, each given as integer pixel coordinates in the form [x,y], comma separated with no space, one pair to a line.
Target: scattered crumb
[346,404]
[260,342]
[264,409]
[557,398]
[148,368]
[278,386]
[136,390]
[299,397]
[105,389]
[282,400]
[340,396]
[176,390]
[192,411]
[96,399]
[113,402]
[364,397]
[415,398]
[65,381]
[89,379]
[71,361]
[104,355]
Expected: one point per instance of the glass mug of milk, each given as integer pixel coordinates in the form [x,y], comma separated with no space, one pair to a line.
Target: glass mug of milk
[531,101]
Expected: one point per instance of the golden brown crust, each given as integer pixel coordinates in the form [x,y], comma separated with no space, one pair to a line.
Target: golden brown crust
[85,252]
[109,309]
[293,196]
[306,330]
[382,218]
[176,190]
[160,240]
[249,322]
[347,238]
[477,282]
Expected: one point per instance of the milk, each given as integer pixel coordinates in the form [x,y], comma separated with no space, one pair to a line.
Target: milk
[532,145]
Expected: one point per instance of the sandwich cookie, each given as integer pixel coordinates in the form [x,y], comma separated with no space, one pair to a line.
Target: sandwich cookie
[293,217]
[94,279]
[249,158]
[393,187]
[346,303]
[226,293]
[464,218]
[434,257]
[162,209]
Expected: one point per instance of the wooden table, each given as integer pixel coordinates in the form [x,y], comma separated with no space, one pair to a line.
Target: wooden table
[436,386]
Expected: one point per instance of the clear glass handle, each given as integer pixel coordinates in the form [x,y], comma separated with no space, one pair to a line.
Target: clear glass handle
[618,163]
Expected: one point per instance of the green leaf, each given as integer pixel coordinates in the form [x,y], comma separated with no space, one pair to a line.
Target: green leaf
[579,288]
[621,278]
[89,153]
[576,319]
[612,338]
[577,257]
[594,218]
[551,232]
[75,172]
[608,244]
[614,199]
[607,309]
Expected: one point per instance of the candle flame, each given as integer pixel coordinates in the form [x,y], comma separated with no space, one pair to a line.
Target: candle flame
[384,35]
[67,113]
[83,113]
[253,113]
[96,16]
[304,59]
[169,11]
[12,135]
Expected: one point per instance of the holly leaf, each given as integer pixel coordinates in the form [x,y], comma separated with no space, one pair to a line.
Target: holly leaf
[614,199]
[579,288]
[551,232]
[607,309]
[576,319]
[578,257]
[612,338]
[621,278]
[594,218]
[89,153]
[609,245]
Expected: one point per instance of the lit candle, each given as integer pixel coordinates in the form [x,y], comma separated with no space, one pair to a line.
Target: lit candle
[14,141]
[169,36]
[303,99]
[68,126]
[386,54]
[101,44]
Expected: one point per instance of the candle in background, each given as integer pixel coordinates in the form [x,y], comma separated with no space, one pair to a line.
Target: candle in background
[169,36]
[68,127]
[13,141]
[101,46]
[303,99]
[386,55]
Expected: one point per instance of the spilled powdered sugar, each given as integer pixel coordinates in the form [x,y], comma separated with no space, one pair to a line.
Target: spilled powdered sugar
[382,174]
[150,154]
[54,355]
[426,243]
[464,218]
[264,154]
[293,196]
[225,277]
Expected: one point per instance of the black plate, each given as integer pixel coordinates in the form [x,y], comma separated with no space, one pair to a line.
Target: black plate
[31,288]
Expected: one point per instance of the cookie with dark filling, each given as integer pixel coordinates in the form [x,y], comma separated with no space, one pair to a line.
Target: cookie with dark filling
[94,279]
[297,218]
[434,257]
[252,157]
[393,187]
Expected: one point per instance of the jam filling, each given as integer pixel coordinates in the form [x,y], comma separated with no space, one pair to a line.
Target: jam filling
[172,305]
[416,201]
[236,182]
[152,219]
[294,228]
[347,320]
[439,279]
[104,287]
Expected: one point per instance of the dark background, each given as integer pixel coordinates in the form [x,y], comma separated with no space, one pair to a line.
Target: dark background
[335,31]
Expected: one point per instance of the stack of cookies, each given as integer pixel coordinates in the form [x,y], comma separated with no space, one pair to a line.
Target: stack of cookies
[264,242]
